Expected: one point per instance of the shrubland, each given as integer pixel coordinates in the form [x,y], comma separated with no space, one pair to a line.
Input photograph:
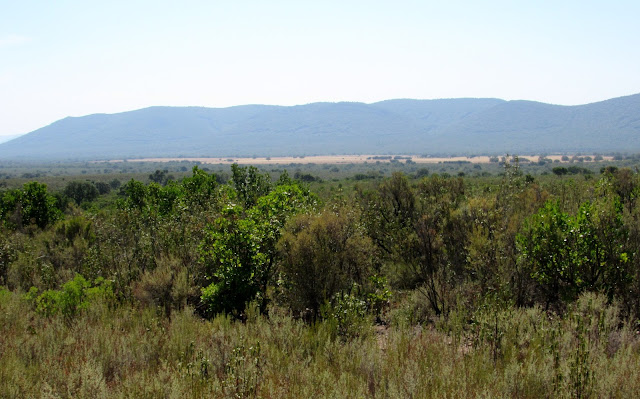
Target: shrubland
[252,285]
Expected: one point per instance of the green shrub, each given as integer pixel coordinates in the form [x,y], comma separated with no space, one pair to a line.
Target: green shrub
[31,205]
[323,255]
[346,315]
[379,295]
[73,297]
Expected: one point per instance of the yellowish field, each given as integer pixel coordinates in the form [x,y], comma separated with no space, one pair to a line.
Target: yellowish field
[331,159]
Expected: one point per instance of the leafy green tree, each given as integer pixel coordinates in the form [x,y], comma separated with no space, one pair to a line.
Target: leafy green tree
[11,201]
[271,213]
[571,254]
[30,205]
[114,184]
[74,296]
[81,191]
[239,249]
[162,177]
[135,194]
[436,248]
[543,247]
[249,183]
[164,199]
[627,185]
[103,188]
[560,170]
[420,232]
[233,258]
[201,188]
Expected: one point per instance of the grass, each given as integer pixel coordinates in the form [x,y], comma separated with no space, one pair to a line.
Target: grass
[134,352]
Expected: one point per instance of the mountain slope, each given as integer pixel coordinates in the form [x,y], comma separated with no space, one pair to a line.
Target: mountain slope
[525,126]
[469,126]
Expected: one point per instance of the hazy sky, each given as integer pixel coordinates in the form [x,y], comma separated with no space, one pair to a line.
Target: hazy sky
[73,58]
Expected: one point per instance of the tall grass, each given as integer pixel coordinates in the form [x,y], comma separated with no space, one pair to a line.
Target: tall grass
[140,352]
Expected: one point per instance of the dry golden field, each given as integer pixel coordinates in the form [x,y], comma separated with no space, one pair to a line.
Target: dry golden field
[333,159]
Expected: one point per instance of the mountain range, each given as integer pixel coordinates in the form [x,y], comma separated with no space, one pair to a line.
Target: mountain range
[465,126]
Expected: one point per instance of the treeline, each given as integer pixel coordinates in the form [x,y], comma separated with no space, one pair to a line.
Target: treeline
[220,246]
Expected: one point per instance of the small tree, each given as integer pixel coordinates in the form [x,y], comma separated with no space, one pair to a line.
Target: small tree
[560,170]
[81,191]
[30,205]
[239,249]
[571,254]
[250,184]
[162,177]
[103,188]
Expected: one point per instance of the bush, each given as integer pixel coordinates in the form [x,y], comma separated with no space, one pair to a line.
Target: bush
[323,255]
[347,316]
[167,286]
[74,296]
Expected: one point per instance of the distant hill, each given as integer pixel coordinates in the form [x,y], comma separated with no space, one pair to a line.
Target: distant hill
[449,126]
[4,139]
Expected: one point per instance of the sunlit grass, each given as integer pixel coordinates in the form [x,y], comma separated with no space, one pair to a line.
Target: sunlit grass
[133,352]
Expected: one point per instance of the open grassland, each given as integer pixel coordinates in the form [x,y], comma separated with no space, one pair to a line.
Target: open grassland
[129,352]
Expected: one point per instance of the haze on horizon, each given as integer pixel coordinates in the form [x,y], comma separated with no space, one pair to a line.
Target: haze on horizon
[79,58]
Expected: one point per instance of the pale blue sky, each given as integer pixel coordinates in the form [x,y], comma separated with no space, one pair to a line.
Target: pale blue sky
[73,58]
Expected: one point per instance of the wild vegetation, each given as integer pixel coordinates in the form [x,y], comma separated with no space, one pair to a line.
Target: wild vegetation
[406,283]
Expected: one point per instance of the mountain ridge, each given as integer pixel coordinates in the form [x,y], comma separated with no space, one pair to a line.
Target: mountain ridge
[469,126]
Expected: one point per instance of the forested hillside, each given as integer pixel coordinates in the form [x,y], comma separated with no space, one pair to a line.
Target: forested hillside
[255,285]
[444,127]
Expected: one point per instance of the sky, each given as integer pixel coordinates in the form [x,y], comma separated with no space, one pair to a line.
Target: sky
[74,58]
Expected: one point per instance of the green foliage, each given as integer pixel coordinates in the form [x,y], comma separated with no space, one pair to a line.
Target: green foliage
[249,183]
[437,245]
[420,230]
[73,297]
[542,246]
[74,227]
[570,254]
[135,193]
[81,191]
[103,187]
[452,270]
[234,261]
[164,199]
[30,205]
[379,294]
[195,193]
[346,314]
[322,255]
[239,250]
[627,185]
[201,188]
[114,184]
[161,177]
[166,287]
[389,212]
[38,207]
